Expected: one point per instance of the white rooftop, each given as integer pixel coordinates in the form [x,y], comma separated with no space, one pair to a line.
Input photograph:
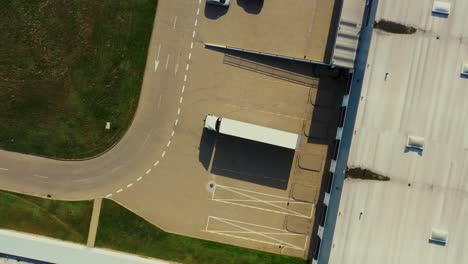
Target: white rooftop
[424,96]
[56,251]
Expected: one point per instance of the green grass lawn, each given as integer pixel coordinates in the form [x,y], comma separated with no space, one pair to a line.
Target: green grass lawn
[57,219]
[68,67]
[122,230]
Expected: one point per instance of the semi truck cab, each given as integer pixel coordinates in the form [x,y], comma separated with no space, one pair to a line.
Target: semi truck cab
[212,122]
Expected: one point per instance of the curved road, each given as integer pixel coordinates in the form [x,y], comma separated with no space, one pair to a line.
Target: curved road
[149,136]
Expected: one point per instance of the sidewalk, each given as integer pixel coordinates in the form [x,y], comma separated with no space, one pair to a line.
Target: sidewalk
[56,251]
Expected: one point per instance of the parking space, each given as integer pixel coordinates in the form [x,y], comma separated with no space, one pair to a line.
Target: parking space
[298,28]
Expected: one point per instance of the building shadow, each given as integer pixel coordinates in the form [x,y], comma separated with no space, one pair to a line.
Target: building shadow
[327,112]
[415,150]
[333,30]
[215,11]
[206,147]
[435,14]
[251,6]
[251,161]
[297,67]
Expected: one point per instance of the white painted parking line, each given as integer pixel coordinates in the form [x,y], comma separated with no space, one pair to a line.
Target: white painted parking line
[129,185]
[156,163]
[185,77]
[190,56]
[178,111]
[183,88]
[196,22]
[191,45]
[279,203]
[187,67]
[176,122]
[244,228]
[4,169]
[40,176]
[148,171]
[198,11]
[173,132]
[168,143]
[109,195]
[163,154]
[193,34]
[119,190]
[139,178]
[181,99]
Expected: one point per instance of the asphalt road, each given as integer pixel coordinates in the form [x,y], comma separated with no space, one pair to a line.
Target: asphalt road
[147,137]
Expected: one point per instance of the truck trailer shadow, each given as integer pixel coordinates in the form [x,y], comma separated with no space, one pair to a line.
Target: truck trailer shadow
[215,11]
[252,161]
[251,6]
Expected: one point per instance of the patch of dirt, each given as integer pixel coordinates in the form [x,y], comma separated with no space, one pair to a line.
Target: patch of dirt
[364,174]
[393,27]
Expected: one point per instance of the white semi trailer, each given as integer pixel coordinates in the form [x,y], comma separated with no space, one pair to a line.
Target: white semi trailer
[252,132]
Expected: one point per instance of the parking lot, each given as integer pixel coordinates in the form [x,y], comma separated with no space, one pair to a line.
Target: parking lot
[228,189]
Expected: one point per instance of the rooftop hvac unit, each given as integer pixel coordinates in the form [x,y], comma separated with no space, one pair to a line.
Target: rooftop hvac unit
[415,142]
[464,69]
[440,7]
[438,237]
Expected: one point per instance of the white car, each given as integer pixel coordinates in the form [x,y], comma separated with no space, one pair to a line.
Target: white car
[218,2]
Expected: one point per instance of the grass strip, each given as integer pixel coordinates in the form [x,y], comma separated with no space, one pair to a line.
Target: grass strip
[57,219]
[67,68]
[122,230]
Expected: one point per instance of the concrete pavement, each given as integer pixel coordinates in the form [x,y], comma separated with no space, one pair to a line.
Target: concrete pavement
[93,226]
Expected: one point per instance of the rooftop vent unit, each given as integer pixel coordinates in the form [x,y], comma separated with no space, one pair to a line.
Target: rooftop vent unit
[438,237]
[440,7]
[464,70]
[415,142]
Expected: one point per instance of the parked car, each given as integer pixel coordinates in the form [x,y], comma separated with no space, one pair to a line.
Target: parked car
[218,2]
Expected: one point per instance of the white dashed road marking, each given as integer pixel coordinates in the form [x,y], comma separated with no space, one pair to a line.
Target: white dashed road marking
[167,60]
[3,169]
[175,22]
[156,65]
